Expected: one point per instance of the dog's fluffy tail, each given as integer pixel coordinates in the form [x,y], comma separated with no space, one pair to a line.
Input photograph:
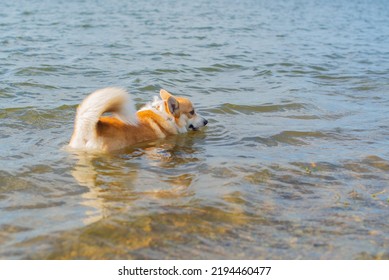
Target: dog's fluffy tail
[114,100]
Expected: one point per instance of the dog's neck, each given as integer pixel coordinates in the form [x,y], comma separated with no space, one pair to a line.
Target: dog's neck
[158,106]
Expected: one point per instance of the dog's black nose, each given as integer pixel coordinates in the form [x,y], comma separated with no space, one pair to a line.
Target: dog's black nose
[205,122]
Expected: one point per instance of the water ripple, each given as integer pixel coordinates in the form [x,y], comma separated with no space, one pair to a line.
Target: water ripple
[228,108]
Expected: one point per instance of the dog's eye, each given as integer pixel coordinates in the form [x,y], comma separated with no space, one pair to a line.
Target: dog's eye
[192,112]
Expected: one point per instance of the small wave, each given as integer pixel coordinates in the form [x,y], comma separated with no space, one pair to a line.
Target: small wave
[334,77]
[34,85]
[164,71]
[228,108]
[5,94]
[35,206]
[34,117]
[36,71]
[153,88]
[220,67]
[376,162]
[297,138]
[179,54]
[220,136]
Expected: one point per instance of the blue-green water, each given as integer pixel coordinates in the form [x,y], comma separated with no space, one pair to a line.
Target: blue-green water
[294,163]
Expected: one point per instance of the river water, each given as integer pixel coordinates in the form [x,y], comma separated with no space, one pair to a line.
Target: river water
[294,163]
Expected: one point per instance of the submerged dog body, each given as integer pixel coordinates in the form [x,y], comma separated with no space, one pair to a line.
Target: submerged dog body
[159,119]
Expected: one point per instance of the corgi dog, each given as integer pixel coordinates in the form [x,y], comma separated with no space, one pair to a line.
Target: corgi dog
[169,115]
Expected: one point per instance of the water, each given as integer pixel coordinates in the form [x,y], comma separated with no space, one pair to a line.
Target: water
[292,165]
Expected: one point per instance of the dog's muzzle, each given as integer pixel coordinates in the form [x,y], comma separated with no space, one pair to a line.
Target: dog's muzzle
[192,127]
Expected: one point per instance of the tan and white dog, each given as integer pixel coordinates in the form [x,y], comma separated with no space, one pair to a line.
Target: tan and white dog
[159,119]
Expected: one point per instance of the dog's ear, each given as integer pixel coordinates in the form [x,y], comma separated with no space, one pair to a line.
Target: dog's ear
[164,94]
[173,105]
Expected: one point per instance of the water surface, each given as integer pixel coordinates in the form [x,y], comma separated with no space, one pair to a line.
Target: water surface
[293,163]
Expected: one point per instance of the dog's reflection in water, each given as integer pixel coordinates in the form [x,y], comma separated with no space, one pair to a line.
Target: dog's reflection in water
[147,173]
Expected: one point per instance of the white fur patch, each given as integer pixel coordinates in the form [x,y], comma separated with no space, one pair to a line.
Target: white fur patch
[127,112]
[155,104]
[158,107]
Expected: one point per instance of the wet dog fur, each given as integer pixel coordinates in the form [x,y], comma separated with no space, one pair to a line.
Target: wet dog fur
[169,115]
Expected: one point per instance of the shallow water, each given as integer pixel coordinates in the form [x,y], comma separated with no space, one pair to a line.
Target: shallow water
[293,163]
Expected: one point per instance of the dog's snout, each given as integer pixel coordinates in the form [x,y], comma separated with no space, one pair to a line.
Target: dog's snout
[205,122]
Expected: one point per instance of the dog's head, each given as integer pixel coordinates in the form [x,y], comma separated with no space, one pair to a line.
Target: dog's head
[183,111]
